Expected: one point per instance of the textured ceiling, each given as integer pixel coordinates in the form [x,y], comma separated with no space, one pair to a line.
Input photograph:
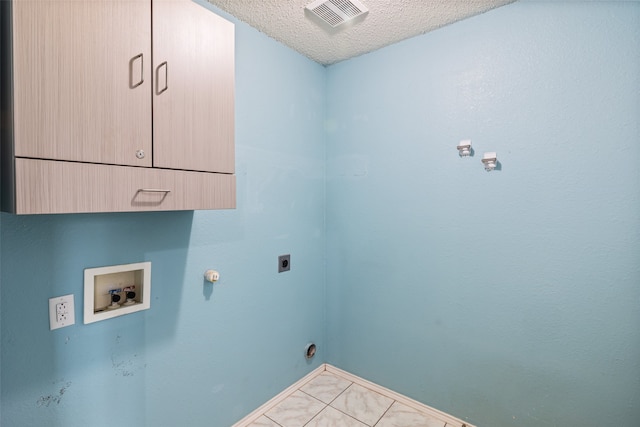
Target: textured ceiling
[387,22]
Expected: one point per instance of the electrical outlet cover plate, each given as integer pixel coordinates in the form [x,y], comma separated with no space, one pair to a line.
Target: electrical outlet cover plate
[61,312]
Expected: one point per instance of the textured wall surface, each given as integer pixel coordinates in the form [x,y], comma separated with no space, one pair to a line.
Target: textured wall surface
[202,355]
[508,298]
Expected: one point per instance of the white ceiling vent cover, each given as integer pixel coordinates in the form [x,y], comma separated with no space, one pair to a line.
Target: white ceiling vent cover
[336,12]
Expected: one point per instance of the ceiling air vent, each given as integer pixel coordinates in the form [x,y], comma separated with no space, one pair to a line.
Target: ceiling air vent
[336,12]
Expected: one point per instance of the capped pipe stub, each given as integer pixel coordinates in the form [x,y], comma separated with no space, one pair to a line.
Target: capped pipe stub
[211,276]
[310,350]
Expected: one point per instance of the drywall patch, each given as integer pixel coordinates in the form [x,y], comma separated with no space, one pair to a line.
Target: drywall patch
[54,398]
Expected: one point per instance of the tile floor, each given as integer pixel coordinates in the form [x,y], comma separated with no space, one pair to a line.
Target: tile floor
[329,399]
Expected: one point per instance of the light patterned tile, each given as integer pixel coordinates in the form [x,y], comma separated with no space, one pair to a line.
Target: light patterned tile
[362,404]
[263,422]
[400,415]
[326,387]
[296,410]
[330,417]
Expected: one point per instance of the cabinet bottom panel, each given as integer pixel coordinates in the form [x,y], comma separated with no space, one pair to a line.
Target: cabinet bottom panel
[46,186]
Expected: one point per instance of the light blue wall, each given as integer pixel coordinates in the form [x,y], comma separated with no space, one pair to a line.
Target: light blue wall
[509,298]
[202,355]
[506,298]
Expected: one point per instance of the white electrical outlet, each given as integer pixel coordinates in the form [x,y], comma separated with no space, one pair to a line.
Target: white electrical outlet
[61,312]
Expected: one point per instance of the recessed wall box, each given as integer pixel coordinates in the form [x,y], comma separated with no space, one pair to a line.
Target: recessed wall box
[116,290]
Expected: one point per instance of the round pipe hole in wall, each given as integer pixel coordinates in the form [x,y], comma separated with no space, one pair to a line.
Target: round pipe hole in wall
[310,350]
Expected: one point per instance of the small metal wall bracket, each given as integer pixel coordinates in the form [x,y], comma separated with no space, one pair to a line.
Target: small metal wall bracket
[464,148]
[490,161]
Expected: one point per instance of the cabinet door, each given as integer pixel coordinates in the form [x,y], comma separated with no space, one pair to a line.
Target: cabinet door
[193,93]
[82,80]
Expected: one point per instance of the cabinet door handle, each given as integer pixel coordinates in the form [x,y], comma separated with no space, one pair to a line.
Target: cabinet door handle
[166,78]
[153,190]
[155,199]
[133,60]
